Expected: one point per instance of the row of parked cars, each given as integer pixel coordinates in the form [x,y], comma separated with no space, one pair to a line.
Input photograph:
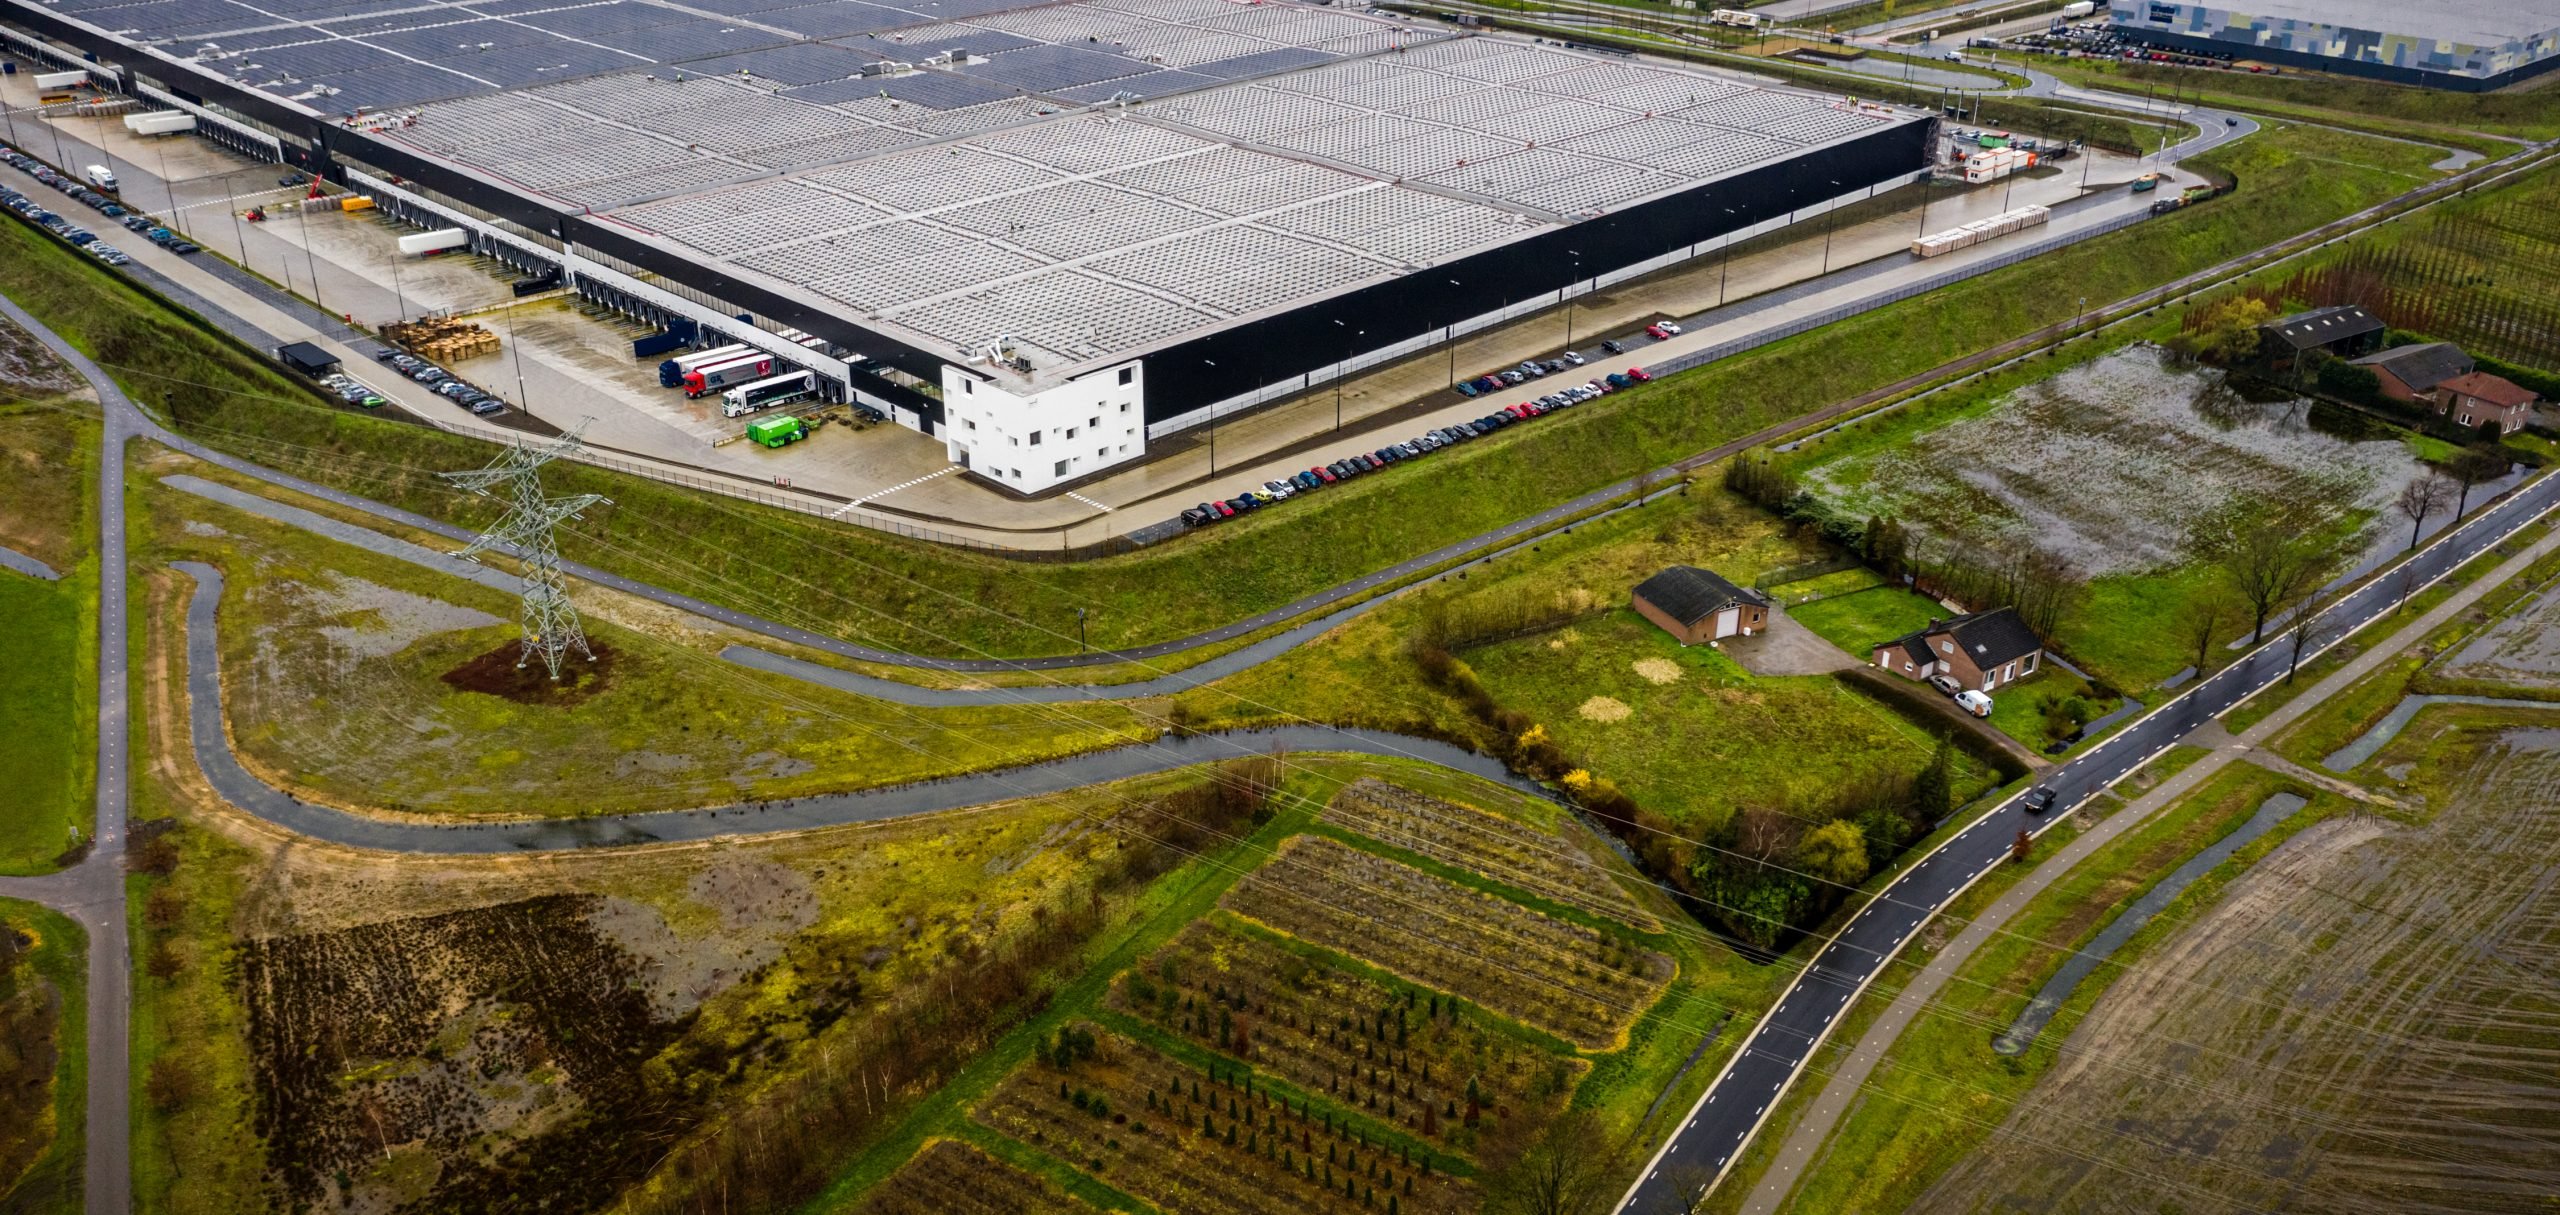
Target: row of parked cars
[439,381]
[104,204]
[1394,453]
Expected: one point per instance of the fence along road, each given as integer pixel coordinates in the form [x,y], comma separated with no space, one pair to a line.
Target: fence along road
[1735,1106]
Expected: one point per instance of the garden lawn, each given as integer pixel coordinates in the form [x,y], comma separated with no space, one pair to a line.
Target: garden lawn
[905,595]
[1860,621]
[1711,739]
[2018,710]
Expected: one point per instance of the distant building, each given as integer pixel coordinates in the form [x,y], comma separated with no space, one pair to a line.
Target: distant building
[2477,397]
[2411,373]
[2345,331]
[1697,605]
[2465,45]
[1980,650]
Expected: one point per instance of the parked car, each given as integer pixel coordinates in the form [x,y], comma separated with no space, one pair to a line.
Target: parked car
[1945,683]
[1467,389]
[1618,379]
[1325,475]
[1198,515]
[1572,359]
[1612,346]
[1974,702]
[183,247]
[1280,489]
[1512,379]
[1639,374]
[2038,800]
[428,373]
[1663,329]
[1224,511]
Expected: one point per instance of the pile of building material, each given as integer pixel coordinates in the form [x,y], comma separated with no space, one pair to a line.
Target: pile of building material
[1995,163]
[1980,230]
[443,339]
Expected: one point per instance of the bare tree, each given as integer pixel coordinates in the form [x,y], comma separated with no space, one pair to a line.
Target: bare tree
[2306,633]
[2420,499]
[1560,1175]
[2021,847]
[2268,565]
[2474,467]
[2204,623]
[1690,1186]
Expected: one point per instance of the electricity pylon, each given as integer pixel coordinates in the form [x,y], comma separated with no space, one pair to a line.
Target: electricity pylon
[551,628]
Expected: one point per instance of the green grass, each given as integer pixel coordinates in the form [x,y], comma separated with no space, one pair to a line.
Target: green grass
[2017,709]
[48,758]
[2526,114]
[1717,737]
[1825,586]
[51,1181]
[1860,621]
[917,597]
[1941,1090]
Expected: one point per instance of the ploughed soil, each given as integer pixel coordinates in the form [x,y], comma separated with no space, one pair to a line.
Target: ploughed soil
[496,674]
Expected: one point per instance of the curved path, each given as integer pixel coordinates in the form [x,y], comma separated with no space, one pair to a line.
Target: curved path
[235,783]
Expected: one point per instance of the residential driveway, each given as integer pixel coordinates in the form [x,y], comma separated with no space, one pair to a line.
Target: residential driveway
[1787,648]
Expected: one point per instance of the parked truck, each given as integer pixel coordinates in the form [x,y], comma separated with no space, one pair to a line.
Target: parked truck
[778,432]
[420,243]
[712,377]
[160,122]
[671,373]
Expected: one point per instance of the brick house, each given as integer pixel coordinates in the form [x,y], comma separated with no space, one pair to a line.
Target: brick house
[1982,650]
[1697,605]
[2475,398]
[2410,373]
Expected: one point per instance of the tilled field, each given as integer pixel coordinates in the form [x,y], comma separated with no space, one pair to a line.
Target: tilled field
[1572,981]
[1504,849]
[2523,648]
[952,1178]
[1189,1141]
[2367,1022]
[1444,1073]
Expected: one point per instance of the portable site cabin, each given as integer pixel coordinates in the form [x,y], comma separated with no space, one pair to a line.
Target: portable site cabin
[307,359]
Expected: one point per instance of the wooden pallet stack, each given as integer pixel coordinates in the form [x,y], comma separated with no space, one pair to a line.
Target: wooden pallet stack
[443,339]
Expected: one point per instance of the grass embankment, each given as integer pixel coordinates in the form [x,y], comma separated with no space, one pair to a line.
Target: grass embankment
[1618,1089]
[917,597]
[44,1059]
[1941,1092]
[341,668]
[2394,109]
[48,719]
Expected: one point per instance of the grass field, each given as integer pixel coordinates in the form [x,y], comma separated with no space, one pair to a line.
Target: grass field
[915,597]
[337,663]
[47,755]
[1686,729]
[1860,620]
[2525,114]
[1941,1090]
[43,1058]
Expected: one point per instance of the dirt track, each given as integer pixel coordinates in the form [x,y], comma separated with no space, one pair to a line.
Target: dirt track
[2365,1023]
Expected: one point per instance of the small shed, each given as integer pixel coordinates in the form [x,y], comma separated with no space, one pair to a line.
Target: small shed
[307,359]
[2345,331]
[1697,605]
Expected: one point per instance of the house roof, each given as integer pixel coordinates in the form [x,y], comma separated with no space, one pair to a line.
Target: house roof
[1689,594]
[2321,326]
[2420,365]
[2496,390]
[1988,638]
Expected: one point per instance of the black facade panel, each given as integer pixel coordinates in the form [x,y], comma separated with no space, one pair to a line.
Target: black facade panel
[2282,57]
[1220,365]
[404,165]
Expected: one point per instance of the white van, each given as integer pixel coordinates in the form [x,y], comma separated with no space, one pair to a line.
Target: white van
[100,177]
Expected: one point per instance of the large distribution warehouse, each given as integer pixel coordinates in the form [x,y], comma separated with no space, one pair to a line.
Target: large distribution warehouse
[1043,233]
[2469,45]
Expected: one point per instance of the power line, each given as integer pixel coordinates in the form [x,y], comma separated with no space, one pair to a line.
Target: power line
[551,628]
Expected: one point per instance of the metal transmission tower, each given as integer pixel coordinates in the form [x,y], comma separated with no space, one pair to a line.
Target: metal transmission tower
[551,628]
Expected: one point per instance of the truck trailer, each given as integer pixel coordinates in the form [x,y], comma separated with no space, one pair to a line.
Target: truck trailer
[745,368]
[765,394]
[671,373]
[420,243]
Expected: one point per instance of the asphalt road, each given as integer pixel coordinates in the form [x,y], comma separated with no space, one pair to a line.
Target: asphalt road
[1737,1103]
[92,892]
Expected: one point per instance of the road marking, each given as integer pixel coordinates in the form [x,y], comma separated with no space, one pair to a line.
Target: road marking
[1080,498]
[883,493]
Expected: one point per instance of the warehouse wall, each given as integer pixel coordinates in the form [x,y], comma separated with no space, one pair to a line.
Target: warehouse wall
[1216,367]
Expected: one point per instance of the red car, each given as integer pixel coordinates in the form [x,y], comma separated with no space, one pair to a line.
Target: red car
[1323,475]
[1224,511]
[1638,374]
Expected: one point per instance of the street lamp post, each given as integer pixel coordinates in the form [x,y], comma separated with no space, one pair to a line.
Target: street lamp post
[1213,424]
[1342,370]
[1576,276]
[1453,341]
[1724,265]
[1830,219]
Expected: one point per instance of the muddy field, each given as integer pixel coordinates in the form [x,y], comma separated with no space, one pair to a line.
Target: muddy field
[28,368]
[1574,982]
[952,1178]
[2112,464]
[1500,848]
[2365,1023]
[1451,1076]
[2523,648]
[1198,1142]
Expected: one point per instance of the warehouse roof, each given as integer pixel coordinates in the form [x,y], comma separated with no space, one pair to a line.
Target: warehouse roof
[2476,22]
